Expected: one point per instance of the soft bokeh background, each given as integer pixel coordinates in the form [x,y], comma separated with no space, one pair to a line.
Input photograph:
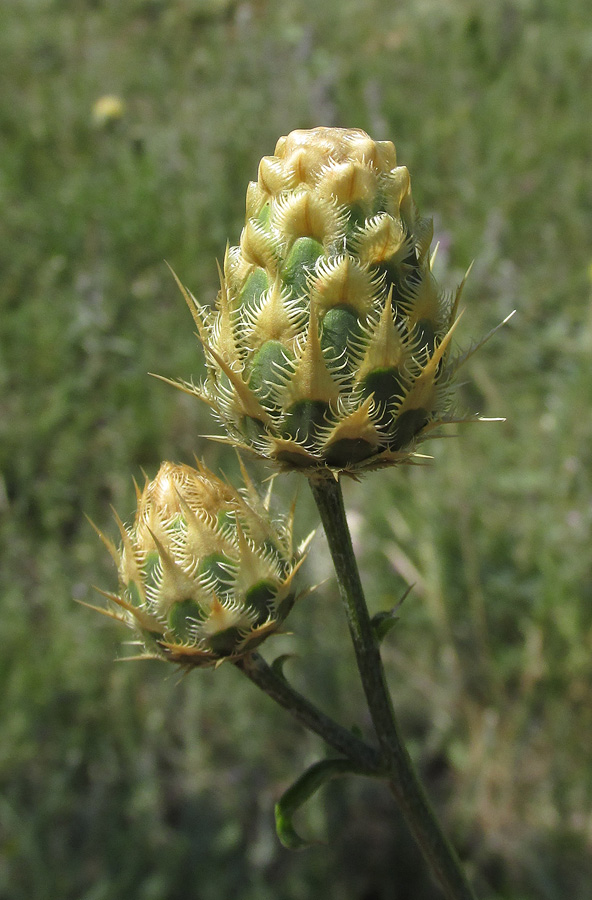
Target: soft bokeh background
[122,781]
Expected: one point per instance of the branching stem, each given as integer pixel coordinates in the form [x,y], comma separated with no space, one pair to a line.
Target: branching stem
[336,736]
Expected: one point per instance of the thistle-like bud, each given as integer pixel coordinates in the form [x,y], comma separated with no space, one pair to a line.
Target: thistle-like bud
[329,347]
[205,574]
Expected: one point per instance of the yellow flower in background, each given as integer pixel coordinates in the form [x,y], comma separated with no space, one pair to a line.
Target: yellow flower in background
[108,109]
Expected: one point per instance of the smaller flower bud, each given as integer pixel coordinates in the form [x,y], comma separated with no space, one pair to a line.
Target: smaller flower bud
[205,573]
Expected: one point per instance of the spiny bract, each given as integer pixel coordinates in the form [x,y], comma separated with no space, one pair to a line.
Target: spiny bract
[330,344]
[205,575]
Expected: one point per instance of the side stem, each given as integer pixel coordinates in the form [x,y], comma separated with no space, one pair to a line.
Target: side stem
[269,680]
[403,780]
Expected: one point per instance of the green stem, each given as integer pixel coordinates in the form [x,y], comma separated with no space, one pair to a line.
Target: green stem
[403,780]
[275,686]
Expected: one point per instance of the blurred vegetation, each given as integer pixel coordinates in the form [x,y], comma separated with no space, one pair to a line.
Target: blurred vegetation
[121,780]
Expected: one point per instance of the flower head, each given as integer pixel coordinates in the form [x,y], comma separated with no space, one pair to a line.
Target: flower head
[329,348]
[205,574]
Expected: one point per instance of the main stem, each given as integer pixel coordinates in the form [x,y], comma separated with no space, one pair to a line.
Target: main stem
[403,780]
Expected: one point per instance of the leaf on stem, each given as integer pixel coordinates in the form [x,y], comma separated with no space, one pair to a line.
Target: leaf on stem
[277,666]
[382,622]
[303,788]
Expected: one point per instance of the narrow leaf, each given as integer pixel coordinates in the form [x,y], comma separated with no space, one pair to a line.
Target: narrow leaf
[302,789]
[382,622]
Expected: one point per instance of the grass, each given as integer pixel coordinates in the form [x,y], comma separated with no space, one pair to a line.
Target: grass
[117,780]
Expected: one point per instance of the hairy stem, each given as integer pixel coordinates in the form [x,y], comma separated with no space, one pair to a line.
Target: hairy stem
[336,736]
[402,777]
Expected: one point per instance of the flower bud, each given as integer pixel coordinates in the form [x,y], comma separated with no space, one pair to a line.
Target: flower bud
[205,574]
[329,348]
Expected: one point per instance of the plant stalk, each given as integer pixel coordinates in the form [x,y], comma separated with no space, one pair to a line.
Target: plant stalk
[273,683]
[403,780]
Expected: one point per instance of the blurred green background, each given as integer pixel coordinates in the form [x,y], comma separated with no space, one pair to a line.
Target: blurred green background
[124,781]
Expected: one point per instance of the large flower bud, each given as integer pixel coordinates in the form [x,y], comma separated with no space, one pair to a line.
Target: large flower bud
[329,345]
[205,574]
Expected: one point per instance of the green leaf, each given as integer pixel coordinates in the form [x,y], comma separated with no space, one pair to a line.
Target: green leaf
[382,622]
[302,789]
[278,664]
